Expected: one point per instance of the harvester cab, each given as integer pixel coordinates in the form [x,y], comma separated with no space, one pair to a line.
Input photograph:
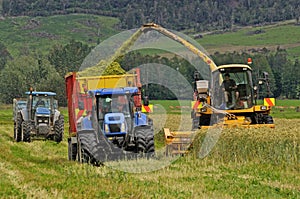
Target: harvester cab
[233,87]
[230,95]
[39,119]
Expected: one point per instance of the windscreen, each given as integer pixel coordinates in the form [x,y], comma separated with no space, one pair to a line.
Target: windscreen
[113,104]
[41,101]
[232,89]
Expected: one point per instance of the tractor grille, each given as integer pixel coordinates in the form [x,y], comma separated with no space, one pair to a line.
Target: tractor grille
[114,128]
[43,129]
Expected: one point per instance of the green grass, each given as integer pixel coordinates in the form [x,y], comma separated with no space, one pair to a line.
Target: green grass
[283,108]
[243,164]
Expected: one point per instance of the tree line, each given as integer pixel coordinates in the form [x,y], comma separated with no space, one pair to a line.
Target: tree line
[47,72]
[196,15]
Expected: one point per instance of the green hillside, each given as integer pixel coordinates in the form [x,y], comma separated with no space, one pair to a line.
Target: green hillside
[23,34]
[285,35]
[26,34]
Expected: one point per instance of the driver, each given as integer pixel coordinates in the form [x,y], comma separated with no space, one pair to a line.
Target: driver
[229,85]
[40,103]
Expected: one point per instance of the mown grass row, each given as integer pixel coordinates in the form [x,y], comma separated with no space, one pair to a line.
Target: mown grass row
[244,163]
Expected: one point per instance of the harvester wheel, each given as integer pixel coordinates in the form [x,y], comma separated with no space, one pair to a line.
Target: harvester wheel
[26,131]
[268,119]
[18,129]
[59,129]
[195,123]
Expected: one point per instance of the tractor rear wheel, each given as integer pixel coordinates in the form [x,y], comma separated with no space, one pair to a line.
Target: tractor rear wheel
[83,155]
[18,129]
[59,129]
[26,131]
[145,140]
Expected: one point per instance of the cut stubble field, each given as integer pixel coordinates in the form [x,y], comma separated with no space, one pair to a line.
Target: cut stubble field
[244,163]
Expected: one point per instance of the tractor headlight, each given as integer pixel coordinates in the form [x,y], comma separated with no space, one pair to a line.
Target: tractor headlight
[40,121]
[263,108]
[106,128]
[123,127]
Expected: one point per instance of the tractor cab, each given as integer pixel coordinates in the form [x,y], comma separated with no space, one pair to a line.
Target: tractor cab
[41,104]
[233,88]
[114,111]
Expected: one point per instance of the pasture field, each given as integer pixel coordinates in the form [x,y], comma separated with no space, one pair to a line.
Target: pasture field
[244,163]
[39,34]
[282,108]
[283,34]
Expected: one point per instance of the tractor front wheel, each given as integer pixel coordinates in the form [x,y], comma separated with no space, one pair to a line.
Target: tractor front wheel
[59,129]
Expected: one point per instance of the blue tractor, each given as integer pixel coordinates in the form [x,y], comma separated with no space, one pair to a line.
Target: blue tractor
[39,118]
[113,127]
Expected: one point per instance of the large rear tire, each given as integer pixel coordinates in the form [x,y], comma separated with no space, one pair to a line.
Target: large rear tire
[83,156]
[59,129]
[26,131]
[18,129]
[145,140]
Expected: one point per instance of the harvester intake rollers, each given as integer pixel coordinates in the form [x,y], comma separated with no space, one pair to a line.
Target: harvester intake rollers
[26,130]
[59,129]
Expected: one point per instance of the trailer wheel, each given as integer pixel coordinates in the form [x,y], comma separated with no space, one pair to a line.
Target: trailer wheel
[26,131]
[18,129]
[72,150]
[59,129]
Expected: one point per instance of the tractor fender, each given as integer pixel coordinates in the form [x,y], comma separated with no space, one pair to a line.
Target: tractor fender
[24,114]
[141,119]
[56,116]
[86,123]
